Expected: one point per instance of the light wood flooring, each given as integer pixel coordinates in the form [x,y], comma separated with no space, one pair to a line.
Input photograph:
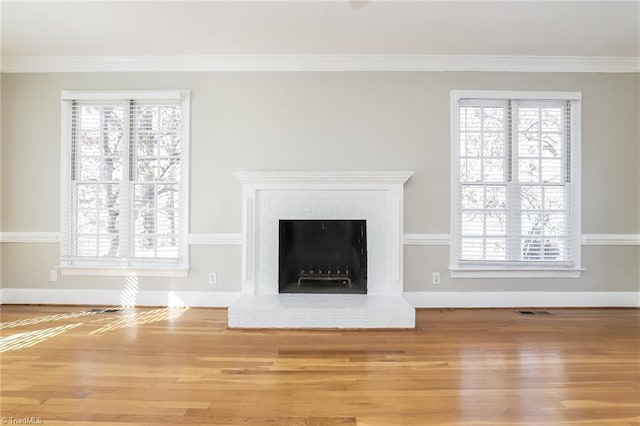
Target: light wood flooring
[65,366]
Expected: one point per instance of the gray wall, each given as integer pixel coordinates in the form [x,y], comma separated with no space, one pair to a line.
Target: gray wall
[321,121]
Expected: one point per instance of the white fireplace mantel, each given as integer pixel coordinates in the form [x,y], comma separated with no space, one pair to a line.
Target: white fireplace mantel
[374,196]
[340,178]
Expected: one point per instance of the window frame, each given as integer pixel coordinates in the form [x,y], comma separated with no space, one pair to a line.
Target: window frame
[511,269]
[155,267]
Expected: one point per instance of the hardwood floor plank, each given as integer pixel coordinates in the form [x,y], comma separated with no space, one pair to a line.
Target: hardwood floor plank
[458,367]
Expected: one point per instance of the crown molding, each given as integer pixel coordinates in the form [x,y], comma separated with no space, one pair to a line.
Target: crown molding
[182,63]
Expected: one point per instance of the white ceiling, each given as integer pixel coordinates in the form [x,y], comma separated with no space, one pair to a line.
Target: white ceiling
[595,29]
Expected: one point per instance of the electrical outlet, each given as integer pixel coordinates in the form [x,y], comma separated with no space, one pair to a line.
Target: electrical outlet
[213,278]
[53,275]
[436,278]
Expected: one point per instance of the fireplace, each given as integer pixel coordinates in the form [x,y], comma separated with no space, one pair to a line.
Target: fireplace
[302,260]
[322,256]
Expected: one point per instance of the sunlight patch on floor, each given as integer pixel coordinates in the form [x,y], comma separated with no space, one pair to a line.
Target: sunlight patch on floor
[135,319]
[31,338]
[39,320]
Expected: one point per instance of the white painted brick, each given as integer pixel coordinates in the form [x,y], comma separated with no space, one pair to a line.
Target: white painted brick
[321,311]
[376,202]
[370,205]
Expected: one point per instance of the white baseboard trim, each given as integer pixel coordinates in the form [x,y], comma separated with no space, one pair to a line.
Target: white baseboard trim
[419,299]
[522,299]
[35,296]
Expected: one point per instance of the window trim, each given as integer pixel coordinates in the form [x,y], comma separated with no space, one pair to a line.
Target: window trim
[511,270]
[153,267]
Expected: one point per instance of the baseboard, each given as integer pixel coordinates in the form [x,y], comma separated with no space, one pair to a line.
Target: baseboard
[529,299]
[35,296]
[419,299]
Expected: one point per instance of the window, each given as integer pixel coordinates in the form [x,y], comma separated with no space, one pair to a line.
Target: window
[515,184]
[125,175]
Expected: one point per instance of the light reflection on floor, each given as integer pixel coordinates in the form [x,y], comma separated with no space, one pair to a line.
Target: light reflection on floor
[32,338]
[128,318]
[48,318]
[135,319]
[482,371]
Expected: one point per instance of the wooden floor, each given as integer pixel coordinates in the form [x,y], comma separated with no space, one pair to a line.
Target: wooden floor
[64,365]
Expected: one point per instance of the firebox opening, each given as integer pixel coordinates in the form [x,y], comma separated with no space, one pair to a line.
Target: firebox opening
[323,256]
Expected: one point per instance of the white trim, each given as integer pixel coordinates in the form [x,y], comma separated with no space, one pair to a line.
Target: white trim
[66,146]
[181,63]
[457,95]
[516,273]
[611,239]
[454,177]
[146,95]
[62,296]
[426,239]
[215,239]
[409,239]
[342,178]
[66,210]
[419,299]
[248,239]
[322,311]
[575,205]
[388,186]
[29,237]
[397,240]
[132,271]
[521,299]
[185,166]
[575,144]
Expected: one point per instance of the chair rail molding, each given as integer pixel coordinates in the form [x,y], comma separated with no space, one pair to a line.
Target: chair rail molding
[611,239]
[29,237]
[410,239]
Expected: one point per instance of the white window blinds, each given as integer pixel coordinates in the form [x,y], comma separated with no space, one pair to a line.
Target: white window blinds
[513,197]
[125,182]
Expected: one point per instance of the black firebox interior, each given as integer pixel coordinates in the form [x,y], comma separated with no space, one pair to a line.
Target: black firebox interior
[323,256]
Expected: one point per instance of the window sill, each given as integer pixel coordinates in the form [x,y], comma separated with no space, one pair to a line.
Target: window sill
[516,273]
[102,271]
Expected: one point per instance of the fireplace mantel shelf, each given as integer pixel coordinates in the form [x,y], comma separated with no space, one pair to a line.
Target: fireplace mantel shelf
[318,177]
